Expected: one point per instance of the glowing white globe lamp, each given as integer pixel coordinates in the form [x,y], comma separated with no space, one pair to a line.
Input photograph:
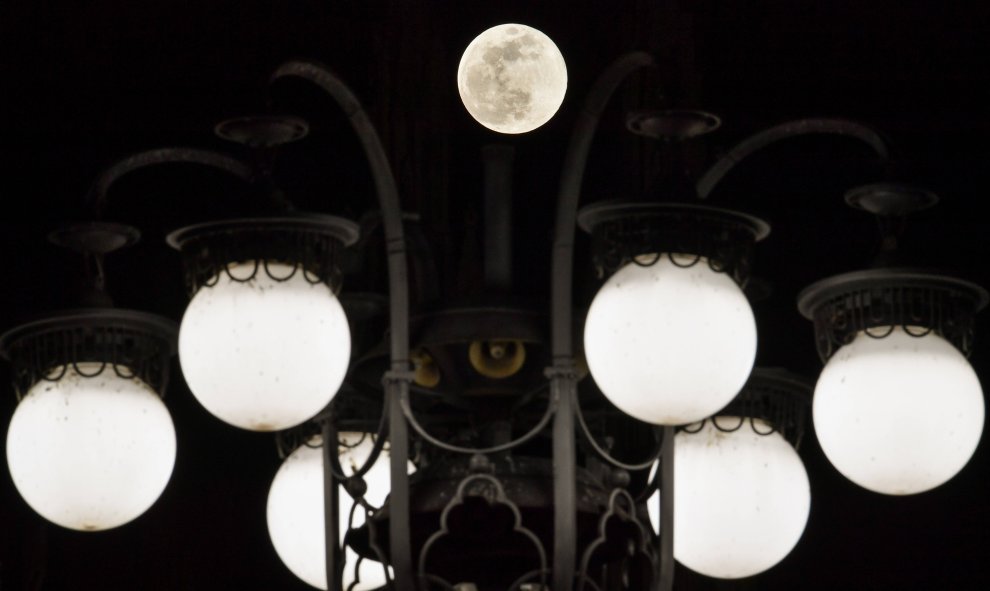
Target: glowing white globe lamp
[90,445]
[263,353]
[897,409]
[90,453]
[900,414]
[295,510]
[670,337]
[742,499]
[512,78]
[264,343]
[668,343]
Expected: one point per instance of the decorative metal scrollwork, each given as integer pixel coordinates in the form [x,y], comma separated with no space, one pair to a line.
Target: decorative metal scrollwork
[131,344]
[875,302]
[642,233]
[308,245]
[489,489]
[360,504]
[621,511]
[772,401]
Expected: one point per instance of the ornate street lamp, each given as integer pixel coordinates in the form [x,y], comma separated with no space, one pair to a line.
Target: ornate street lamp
[264,343]
[490,482]
[897,409]
[743,495]
[669,339]
[457,473]
[91,445]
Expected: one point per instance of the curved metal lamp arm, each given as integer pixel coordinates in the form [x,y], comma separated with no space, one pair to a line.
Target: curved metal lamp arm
[460,449]
[398,378]
[563,378]
[97,197]
[607,457]
[570,194]
[376,450]
[784,131]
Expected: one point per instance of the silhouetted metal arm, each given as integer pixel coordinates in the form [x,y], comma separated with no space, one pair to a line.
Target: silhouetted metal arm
[398,377]
[97,197]
[563,376]
[784,131]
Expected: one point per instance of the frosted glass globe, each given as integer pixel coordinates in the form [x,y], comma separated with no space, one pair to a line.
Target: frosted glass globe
[90,453]
[264,355]
[741,499]
[670,345]
[295,510]
[898,415]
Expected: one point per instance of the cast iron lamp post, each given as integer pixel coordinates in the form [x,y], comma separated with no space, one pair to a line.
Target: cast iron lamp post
[739,228]
[295,256]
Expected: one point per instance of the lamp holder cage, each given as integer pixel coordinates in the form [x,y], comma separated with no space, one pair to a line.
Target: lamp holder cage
[876,301]
[308,243]
[776,397]
[130,343]
[642,233]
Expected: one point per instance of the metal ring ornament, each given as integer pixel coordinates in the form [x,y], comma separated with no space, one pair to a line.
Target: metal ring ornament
[779,398]
[876,300]
[640,233]
[309,243]
[133,344]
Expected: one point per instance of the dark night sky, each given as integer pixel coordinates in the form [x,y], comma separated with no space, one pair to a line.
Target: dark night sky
[82,85]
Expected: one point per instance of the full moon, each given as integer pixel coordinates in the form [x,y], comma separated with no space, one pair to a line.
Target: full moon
[512,78]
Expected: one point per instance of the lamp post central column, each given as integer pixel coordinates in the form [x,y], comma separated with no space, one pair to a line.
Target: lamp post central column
[563,390]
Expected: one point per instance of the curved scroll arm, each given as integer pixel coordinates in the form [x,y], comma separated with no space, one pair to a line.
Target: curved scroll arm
[607,457]
[569,195]
[432,440]
[784,131]
[97,197]
[563,377]
[398,378]
[376,451]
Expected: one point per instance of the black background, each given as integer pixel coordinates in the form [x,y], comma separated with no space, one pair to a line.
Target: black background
[83,84]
